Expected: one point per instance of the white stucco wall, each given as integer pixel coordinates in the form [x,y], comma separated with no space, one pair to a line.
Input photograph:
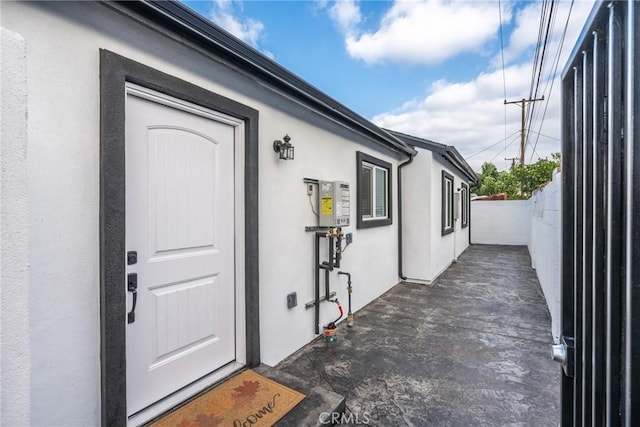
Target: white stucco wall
[444,249]
[426,252]
[62,176]
[545,246]
[416,224]
[15,356]
[501,222]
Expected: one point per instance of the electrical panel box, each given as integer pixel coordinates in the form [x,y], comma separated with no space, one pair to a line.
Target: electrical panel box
[334,204]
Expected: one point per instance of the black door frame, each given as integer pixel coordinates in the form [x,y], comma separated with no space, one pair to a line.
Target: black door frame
[115,72]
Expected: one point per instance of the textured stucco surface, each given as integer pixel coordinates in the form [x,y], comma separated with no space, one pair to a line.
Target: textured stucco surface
[501,222]
[14,266]
[546,246]
[470,349]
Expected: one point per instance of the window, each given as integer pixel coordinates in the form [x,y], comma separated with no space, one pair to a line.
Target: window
[464,200]
[447,203]
[373,191]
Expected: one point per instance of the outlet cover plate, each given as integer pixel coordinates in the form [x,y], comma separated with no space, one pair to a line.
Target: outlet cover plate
[292,300]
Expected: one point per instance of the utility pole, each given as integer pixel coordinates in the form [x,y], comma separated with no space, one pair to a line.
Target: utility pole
[523,137]
[513,160]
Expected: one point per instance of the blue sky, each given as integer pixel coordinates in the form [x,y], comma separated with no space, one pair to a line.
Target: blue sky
[430,68]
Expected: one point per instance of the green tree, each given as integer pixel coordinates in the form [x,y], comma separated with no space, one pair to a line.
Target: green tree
[518,178]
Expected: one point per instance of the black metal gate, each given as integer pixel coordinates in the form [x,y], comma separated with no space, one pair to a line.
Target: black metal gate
[601,221]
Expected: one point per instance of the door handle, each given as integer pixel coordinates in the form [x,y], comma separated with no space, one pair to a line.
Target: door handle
[563,353]
[559,353]
[132,286]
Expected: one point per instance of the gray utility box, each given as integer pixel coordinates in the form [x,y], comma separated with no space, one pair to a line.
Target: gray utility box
[334,204]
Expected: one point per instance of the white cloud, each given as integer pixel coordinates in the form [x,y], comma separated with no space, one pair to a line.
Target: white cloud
[524,37]
[471,115]
[422,31]
[225,14]
[346,15]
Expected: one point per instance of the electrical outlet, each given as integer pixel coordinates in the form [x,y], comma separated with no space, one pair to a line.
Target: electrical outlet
[292,300]
[309,189]
[349,238]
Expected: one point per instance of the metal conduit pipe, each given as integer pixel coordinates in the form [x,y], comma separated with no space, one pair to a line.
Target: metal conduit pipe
[402,165]
[335,240]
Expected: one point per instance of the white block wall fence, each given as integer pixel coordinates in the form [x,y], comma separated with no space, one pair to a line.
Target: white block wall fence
[534,223]
[545,245]
[501,222]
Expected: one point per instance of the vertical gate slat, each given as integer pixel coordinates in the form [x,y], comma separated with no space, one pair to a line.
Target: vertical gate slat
[587,240]
[567,264]
[615,227]
[632,249]
[578,283]
[599,230]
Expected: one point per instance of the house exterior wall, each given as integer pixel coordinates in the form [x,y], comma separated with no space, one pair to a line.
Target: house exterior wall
[14,239]
[445,249]
[545,245]
[416,225]
[501,222]
[426,252]
[62,70]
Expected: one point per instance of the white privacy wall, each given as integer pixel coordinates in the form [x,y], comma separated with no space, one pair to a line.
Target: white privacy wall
[545,245]
[501,222]
[535,223]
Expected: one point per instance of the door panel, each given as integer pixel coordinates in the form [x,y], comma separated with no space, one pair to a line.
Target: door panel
[180,221]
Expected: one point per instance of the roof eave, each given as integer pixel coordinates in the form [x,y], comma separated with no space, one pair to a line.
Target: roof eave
[183,20]
[449,152]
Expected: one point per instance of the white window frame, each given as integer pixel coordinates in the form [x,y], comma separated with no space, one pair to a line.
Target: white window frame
[374,192]
[375,166]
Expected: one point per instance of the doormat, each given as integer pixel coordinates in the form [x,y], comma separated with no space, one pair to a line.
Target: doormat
[247,399]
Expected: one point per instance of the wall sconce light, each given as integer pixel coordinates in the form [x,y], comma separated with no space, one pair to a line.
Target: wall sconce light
[284,149]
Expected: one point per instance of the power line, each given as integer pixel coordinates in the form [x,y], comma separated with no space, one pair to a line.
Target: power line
[490,146]
[553,75]
[536,56]
[550,23]
[542,134]
[504,78]
[508,145]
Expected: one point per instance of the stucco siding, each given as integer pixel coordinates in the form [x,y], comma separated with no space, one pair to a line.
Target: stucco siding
[501,222]
[416,225]
[447,248]
[427,253]
[15,352]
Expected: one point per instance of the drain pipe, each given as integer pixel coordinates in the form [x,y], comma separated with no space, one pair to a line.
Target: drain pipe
[400,166]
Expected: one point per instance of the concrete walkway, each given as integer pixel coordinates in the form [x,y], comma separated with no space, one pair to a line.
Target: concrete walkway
[472,349]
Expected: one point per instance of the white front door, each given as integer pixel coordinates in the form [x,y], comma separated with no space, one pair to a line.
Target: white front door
[180,222]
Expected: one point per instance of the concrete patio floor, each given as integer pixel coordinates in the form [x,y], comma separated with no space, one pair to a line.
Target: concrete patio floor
[471,349]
